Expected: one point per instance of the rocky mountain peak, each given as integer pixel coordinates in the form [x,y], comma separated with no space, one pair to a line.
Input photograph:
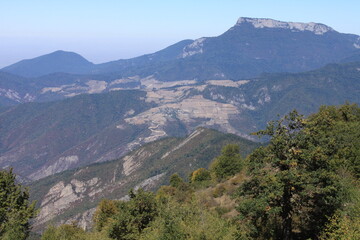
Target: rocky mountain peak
[316,28]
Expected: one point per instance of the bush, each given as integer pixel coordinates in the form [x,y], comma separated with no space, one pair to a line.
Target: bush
[133,216]
[200,175]
[64,232]
[219,191]
[228,163]
[175,180]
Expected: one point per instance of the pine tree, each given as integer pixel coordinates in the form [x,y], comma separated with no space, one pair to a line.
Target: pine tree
[15,208]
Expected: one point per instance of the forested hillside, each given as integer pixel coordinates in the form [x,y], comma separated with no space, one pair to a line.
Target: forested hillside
[73,195]
[303,185]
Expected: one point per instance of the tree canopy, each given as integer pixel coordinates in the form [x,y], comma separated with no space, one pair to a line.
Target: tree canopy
[15,208]
[228,163]
[304,184]
[295,185]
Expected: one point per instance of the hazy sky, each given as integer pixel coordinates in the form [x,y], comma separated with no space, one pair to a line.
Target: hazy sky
[104,30]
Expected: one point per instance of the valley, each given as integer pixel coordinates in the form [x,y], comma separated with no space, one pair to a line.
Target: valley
[76,132]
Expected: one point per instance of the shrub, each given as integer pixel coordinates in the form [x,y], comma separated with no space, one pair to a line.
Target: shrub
[228,163]
[200,175]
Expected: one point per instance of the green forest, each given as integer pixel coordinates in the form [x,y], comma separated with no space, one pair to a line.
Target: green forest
[302,184]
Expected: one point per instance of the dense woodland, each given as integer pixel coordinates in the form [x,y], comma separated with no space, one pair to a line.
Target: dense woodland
[304,184]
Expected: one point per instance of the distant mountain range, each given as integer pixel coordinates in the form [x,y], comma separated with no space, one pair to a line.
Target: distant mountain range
[40,139]
[217,82]
[251,47]
[59,113]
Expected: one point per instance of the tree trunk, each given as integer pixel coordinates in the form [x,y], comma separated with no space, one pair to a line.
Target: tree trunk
[286,214]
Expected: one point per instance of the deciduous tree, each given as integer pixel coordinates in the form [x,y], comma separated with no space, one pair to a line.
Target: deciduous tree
[228,163]
[293,187]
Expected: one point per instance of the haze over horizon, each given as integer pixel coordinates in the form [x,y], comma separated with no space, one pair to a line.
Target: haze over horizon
[103,32]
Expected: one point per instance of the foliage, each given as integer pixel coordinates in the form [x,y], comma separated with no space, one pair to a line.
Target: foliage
[228,163]
[64,232]
[345,224]
[188,220]
[293,188]
[219,190]
[200,175]
[133,216]
[342,227]
[303,184]
[337,130]
[183,194]
[113,220]
[16,210]
[71,232]
[198,152]
[176,180]
[104,211]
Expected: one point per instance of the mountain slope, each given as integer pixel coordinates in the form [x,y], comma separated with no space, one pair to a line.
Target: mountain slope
[14,89]
[251,47]
[36,139]
[59,61]
[164,55]
[333,84]
[40,139]
[255,46]
[352,58]
[277,94]
[71,195]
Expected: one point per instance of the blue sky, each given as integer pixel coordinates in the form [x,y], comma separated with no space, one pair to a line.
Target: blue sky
[114,29]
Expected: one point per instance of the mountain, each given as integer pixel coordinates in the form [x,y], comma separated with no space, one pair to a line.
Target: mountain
[277,94]
[352,58]
[254,46]
[14,89]
[72,195]
[169,53]
[69,62]
[59,61]
[40,139]
[251,47]
[50,85]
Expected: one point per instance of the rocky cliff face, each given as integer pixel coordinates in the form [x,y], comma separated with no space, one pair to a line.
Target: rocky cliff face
[316,28]
[62,199]
[159,110]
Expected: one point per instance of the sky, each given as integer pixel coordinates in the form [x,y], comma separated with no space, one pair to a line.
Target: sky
[106,30]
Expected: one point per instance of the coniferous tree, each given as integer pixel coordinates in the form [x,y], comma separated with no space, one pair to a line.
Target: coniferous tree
[15,208]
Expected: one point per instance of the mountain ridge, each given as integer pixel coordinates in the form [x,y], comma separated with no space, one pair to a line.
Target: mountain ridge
[58,61]
[251,47]
[317,28]
[73,194]
[40,139]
